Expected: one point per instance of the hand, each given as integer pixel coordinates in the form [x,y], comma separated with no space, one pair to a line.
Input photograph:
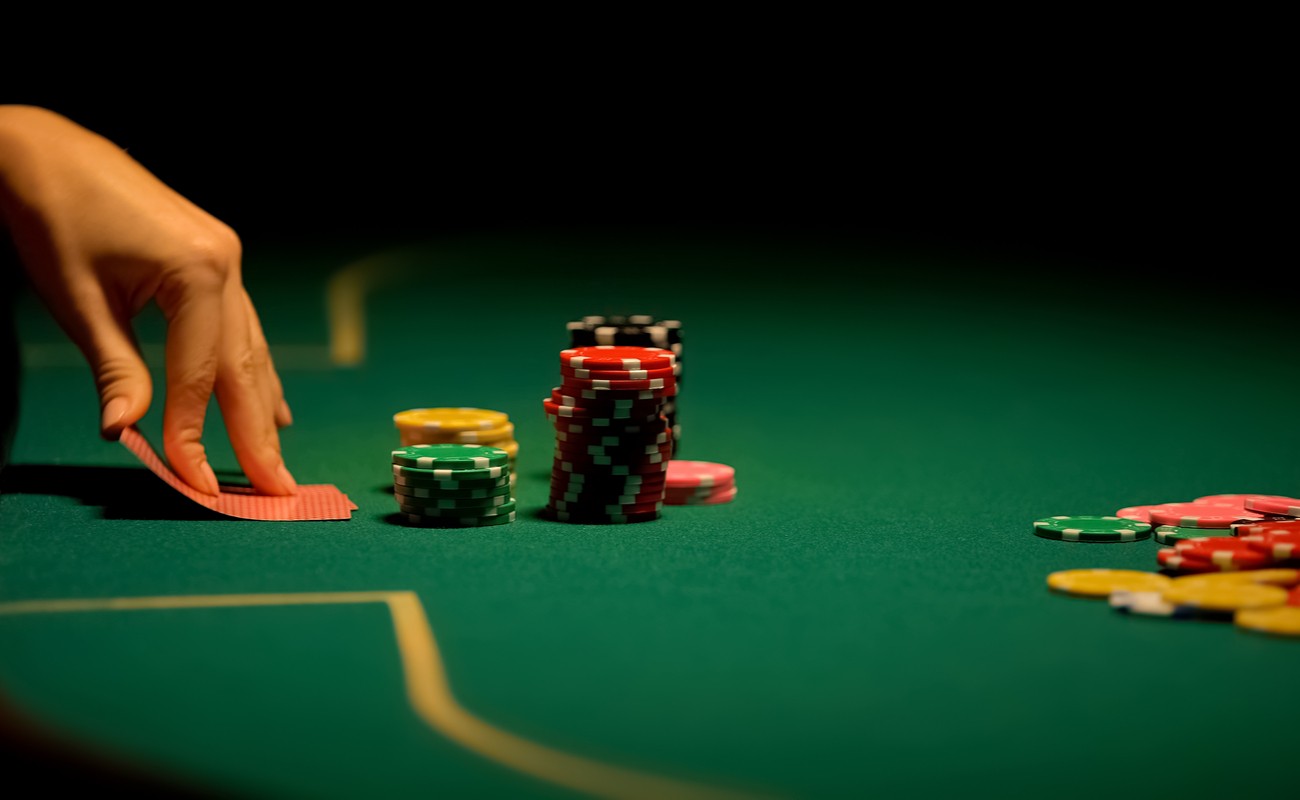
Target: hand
[100,236]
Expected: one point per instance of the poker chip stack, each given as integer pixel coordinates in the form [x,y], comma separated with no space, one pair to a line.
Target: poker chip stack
[636,330]
[699,483]
[612,440]
[453,485]
[458,426]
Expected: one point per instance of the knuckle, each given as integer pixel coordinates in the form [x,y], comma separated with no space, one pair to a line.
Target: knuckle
[267,448]
[206,260]
[249,366]
[184,279]
[191,385]
[230,242]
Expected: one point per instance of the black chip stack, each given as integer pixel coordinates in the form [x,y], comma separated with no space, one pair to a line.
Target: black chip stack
[636,330]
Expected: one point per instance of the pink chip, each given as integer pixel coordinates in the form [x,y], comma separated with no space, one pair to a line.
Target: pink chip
[1139,513]
[1223,498]
[1273,504]
[1216,514]
[696,474]
[717,498]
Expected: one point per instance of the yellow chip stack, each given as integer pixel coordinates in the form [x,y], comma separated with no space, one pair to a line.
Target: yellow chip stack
[458,426]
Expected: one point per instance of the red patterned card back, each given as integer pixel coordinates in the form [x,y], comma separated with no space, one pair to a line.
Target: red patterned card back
[312,502]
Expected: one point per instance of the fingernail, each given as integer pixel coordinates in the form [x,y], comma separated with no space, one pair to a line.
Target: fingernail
[285,413]
[287,479]
[112,414]
[210,484]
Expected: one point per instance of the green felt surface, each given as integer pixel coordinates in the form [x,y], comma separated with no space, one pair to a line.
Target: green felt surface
[870,621]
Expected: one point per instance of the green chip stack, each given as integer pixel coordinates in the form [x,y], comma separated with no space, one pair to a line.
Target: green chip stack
[453,485]
[458,425]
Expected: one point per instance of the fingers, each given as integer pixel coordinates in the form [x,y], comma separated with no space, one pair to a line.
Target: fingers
[250,395]
[190,296]
[283,416]
[99,328]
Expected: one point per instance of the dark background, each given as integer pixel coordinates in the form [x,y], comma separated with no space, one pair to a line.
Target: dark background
[1131,177]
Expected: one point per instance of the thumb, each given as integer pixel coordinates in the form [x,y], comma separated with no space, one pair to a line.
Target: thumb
[124,391]
[101,329]
[122,377]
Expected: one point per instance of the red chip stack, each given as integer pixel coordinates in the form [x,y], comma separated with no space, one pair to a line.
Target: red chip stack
[612,440]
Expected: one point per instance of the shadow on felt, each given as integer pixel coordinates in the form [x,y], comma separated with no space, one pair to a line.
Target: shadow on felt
[122,492]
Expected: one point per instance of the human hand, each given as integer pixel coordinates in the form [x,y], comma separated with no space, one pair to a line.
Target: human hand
[100,237]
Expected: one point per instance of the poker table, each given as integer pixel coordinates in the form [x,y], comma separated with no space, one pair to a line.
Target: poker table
[869,617]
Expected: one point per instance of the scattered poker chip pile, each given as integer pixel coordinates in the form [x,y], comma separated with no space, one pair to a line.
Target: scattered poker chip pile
[636,330]
[453,485]
[613,443]
[1231,557]
[458,426]
[693,483]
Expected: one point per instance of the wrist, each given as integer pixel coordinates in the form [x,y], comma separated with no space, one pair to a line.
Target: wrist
[25,133]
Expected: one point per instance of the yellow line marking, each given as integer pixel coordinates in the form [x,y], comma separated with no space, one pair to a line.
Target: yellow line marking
[188,601]
[346,305]
[345,295]
[427,689]
[65,355]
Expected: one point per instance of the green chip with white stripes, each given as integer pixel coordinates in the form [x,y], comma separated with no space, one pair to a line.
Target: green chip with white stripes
[1090,528]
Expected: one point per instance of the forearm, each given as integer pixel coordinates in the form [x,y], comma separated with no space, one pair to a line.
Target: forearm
[21,130]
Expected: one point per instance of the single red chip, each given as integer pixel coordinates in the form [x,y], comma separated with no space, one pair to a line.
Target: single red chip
[591,507]
[1277,545]
[615,439]
[617,357]
[1170,558]
[627,406]
[625,449]
[597,413]
[632,494]
[593,470]
[633,464]
[619,388]
[618,374]
[1224,551]
[586,396]
[574,483]
[1254,528]
[581,426]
